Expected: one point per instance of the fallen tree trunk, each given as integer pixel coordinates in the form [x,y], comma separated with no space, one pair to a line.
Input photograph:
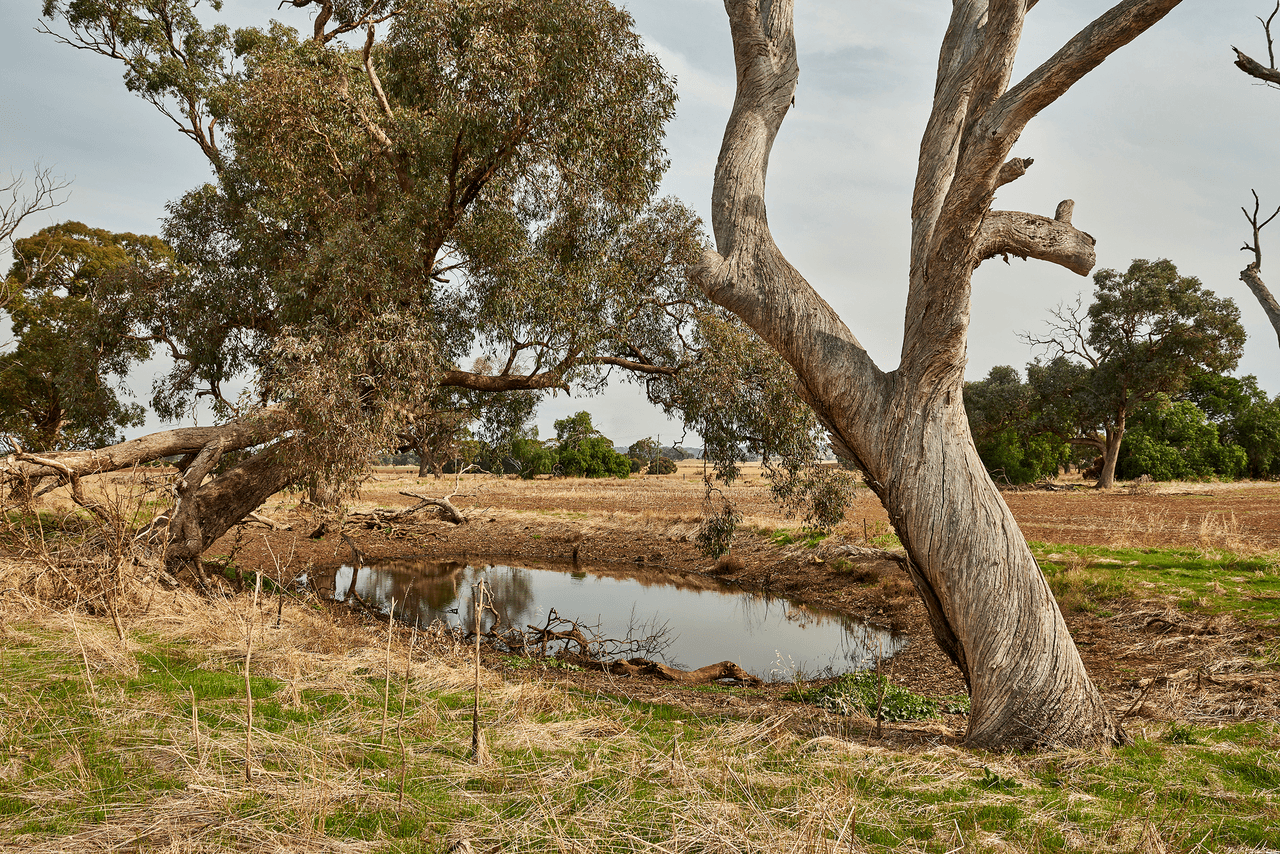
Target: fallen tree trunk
[263,426]
[204,509]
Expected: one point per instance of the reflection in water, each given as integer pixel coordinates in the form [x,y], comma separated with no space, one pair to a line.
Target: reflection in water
[772,638]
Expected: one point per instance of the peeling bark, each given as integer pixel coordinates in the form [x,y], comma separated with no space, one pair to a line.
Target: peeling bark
[990,607]
[231,496]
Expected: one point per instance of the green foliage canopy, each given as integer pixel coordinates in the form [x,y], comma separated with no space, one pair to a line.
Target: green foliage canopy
[73,294]
[1148,331]
[1003,423]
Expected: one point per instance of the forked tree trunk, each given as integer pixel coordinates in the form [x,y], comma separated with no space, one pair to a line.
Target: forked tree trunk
[989,605]
[220,503]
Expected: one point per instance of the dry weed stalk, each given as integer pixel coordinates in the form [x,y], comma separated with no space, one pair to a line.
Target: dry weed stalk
[404,700]
[478,592]
[386,686]
[248,687]
[84,656]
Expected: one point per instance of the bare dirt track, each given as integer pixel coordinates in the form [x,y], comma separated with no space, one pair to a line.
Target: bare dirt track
[1151,661]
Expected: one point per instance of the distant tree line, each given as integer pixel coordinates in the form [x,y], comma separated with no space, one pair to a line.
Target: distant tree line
[1136,385]
[579,449]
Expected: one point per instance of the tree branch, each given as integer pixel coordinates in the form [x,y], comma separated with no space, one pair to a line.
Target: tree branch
[1252,274]
[1013,169]
[1254,68]
[1111,31]
[1027,235]
[18,207]
[502,382]
[633,365]
[748,274]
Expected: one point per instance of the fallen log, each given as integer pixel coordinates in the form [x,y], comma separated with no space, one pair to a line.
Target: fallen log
[701,676]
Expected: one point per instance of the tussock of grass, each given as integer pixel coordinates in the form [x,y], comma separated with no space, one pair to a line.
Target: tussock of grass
[871,695]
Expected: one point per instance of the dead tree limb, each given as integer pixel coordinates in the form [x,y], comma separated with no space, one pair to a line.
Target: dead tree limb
[1268,74]
[1252,274]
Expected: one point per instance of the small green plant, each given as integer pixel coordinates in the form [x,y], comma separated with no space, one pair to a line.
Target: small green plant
[866,692]
[716,533]
[1181,734]
[995,782]
[807,538]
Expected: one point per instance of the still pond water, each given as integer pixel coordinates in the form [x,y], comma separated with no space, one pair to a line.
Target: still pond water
[705,622]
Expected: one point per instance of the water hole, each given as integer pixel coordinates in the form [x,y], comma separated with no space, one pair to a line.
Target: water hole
[697,621]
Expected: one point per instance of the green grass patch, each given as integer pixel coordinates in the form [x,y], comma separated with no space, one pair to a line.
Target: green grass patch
[784,537]
[1208,582]
[867,693]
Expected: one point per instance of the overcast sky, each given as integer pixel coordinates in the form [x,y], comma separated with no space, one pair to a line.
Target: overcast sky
[1159,147]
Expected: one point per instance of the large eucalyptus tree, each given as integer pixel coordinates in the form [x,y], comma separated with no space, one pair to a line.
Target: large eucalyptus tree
[990,607]
[403,185]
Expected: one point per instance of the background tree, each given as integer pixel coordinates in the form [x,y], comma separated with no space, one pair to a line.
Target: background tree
[1252,274]
[71,307]
[1174,440]
[1245,417]
[989,605]
[583,451]
[643,452]
[1005,428]
[1147,333]
[476,176]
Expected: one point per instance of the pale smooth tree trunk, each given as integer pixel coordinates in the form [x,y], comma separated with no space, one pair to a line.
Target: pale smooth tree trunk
[989,605]
[1252,276]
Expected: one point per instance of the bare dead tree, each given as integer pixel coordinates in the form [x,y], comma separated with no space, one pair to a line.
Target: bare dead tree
[990,607]
[1268,73]
[1252,274]
[47,192]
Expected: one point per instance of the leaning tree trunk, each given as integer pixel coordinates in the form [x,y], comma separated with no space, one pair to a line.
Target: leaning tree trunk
[989,605]
[205,509]
[216,505]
